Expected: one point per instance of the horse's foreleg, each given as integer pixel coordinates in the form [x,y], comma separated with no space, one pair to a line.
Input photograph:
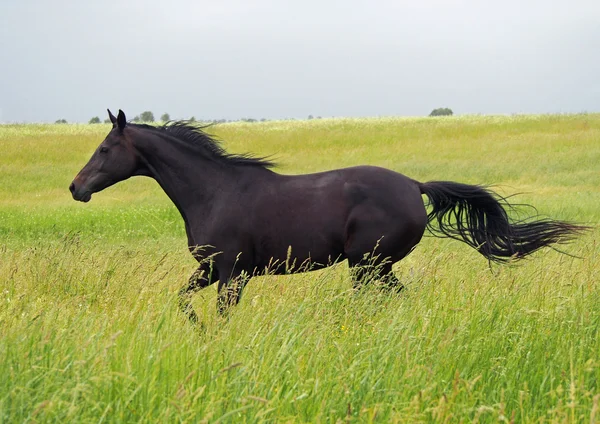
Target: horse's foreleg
[230,292]
[203,277]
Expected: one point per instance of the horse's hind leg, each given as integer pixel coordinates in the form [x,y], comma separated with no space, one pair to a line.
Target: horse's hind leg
[203,277]
[388,279]
[363,274]
[377,237]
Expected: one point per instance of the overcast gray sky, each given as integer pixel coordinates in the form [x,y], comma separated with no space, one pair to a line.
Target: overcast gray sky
[276,59]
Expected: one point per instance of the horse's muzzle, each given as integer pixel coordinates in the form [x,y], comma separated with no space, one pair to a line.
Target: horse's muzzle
[78,194]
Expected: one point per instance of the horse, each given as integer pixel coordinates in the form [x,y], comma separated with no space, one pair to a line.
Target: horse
[242,219]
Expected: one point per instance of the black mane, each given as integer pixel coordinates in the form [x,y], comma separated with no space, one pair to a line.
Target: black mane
[194,135]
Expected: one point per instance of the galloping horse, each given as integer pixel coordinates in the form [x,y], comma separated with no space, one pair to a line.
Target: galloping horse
[242,219]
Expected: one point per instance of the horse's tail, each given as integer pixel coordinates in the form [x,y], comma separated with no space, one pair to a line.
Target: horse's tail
[478,216]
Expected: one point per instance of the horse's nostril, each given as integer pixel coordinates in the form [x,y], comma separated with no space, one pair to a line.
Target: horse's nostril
[72,187]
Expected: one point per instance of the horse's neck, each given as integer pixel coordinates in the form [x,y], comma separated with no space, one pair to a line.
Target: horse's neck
[189,180]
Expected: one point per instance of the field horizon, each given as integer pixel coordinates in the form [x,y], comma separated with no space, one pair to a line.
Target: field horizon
[90,330]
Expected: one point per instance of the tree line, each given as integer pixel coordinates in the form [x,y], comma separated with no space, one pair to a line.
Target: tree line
[148,117]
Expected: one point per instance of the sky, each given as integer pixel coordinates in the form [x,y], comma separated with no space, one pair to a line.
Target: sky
[275,59]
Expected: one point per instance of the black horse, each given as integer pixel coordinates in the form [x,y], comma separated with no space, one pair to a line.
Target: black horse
[242,219]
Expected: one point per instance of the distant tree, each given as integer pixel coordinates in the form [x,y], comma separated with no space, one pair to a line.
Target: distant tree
[60,121]
[192,119]
[94,120]
[310,117]
[136,118]
[147,116]
[442,111]
[165,117]
[107,121]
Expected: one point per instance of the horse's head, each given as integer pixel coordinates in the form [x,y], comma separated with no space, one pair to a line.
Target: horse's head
[114,160]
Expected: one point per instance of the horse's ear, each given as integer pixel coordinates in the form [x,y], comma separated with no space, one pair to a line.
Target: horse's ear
[112,118]
[121,120]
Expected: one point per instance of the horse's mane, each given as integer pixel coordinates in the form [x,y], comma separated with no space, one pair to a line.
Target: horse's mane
[195,135]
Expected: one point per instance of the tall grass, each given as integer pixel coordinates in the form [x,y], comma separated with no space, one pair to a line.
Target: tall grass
[90,330]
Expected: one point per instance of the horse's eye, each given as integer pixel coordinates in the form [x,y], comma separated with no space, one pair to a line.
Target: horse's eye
[103,149]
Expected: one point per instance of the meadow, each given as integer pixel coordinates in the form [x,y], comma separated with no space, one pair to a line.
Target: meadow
[90,330]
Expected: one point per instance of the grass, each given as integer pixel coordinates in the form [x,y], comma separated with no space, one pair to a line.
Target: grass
[90,330]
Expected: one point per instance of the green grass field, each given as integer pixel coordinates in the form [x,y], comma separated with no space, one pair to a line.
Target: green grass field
[90,330]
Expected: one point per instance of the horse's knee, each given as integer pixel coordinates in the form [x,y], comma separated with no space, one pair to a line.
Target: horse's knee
[183,293]
[204,276]
[230,292]
[226,298]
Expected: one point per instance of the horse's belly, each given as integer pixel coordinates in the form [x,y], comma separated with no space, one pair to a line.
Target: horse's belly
[299,257]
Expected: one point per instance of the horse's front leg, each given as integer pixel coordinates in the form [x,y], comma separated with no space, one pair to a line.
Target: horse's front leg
[204,276]
[230,291]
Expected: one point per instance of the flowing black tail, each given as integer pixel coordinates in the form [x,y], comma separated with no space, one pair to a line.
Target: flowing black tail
[478,216]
